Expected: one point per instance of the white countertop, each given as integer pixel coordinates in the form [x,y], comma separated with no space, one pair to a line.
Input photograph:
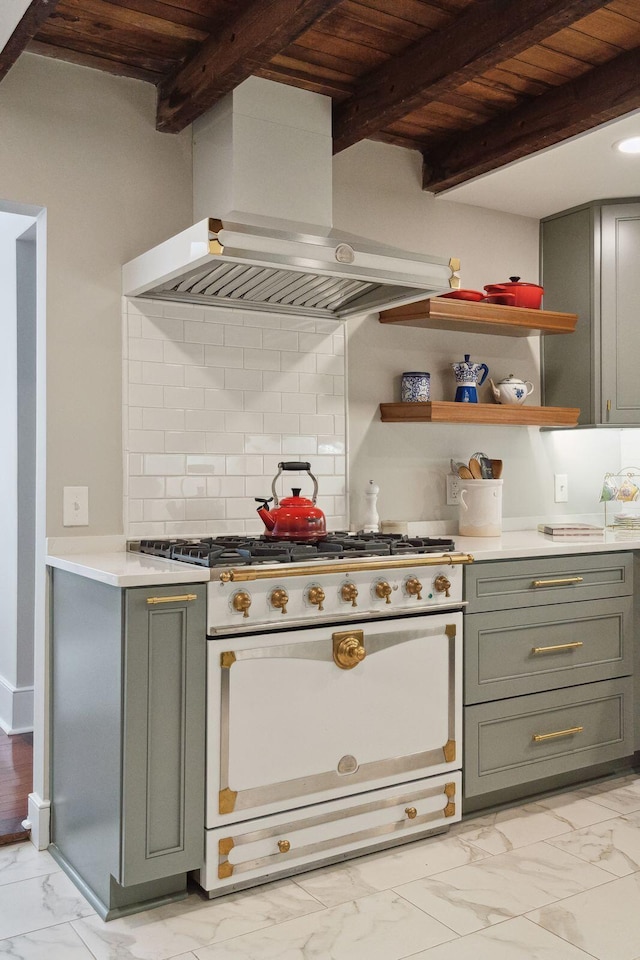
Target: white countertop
[122,568]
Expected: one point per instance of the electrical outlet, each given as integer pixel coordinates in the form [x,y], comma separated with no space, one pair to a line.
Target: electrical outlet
[453,489]
[561,488]
[75,506]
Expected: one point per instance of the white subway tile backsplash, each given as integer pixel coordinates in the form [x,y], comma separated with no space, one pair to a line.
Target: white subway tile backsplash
[299,402]
[224,442]
[186,353]
[183,398]
[154,418]
[214,399]
[261,359]
[265,402]
[223,356]
[184,442]
[167,465]
[204,465]
[263,443]
[161,328]
[199,332]
[300,446]
[146,441]
[151,350]
[171,374]
[243,380]
[243,337]
[205,377]
[186,487]
[281,423]
[244,422]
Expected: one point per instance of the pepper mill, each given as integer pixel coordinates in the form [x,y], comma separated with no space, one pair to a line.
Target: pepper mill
[371,519]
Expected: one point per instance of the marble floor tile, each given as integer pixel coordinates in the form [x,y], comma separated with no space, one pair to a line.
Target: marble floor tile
[604,921]
[517,939]
[184,926]
[380,927]
[520,826]
[32,904]
[21,861]
[478,895]
[382,871]
[51,943]
[621,794]
[613,845]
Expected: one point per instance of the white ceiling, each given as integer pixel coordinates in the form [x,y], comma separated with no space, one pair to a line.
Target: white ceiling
[581,169]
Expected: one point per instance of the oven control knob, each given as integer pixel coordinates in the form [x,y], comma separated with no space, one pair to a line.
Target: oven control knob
[241,602]
[383,590]
[349,592]
[348,649]
[284,846]
[279,599]
[414,587]
[442,584]
[411,812]
[316,597]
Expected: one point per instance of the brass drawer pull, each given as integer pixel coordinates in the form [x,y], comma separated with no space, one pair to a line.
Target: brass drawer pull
[539,737]
[559,582]
[284,846]
[411,812]
[558,646]
[185,596]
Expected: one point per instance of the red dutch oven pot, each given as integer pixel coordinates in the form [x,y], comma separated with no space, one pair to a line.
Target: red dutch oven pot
[295,517]
[524,294]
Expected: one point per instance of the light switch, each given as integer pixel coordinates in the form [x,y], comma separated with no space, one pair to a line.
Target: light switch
[75,506]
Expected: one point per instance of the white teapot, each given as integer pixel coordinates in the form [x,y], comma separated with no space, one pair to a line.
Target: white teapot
[511,390]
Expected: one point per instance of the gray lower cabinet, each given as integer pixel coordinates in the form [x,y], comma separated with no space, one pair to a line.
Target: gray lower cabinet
[589,258]
[127,749]
[548,679]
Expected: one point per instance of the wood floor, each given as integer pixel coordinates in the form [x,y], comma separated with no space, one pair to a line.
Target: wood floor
[16,783]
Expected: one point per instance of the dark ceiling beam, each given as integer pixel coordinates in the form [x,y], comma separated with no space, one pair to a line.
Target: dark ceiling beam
[603,94]
[240,49]
[489,33]
[34,16]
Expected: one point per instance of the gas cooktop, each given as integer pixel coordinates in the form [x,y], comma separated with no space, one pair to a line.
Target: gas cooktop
[242,551]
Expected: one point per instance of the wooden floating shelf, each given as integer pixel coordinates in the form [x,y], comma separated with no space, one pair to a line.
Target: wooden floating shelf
[469,316]
[440,411]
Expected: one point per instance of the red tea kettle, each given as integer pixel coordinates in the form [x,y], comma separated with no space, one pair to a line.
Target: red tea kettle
[296,517]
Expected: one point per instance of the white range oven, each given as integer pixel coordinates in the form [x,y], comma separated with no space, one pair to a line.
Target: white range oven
[334,699]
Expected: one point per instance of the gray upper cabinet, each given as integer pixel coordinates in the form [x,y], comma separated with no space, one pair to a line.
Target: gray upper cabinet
[589,264]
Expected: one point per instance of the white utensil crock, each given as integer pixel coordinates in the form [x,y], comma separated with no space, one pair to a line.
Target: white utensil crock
[480,508]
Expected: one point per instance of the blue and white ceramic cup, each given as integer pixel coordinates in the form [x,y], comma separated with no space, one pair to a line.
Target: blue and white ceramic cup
[416,386]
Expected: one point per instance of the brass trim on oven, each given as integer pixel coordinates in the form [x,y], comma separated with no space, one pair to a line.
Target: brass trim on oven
[225,846]
[227,659]
[374,563]
[450,790]
[342,814]
[253,798]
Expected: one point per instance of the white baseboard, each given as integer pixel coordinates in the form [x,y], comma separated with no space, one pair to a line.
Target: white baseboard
[38,821]
[16,708]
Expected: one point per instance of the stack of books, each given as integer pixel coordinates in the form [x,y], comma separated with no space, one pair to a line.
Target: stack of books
[567,531]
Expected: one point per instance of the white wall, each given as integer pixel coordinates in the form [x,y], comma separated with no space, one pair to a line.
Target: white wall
[83,145]
[377,191]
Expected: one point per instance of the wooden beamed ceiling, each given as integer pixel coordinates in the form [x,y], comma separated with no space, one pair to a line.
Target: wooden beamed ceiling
[471,84]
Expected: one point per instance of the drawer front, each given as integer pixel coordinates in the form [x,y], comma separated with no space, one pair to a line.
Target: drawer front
[509,584]
[508,653]
[274,846]
[524,739]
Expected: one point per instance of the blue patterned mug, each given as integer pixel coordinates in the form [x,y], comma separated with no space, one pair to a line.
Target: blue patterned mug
[416,386]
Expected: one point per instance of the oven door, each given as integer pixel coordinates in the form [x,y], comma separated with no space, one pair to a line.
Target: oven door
[299,717]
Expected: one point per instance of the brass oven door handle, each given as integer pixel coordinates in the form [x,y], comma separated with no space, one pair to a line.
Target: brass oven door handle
[558,646]
[539,737]
[559,582]
[184,598]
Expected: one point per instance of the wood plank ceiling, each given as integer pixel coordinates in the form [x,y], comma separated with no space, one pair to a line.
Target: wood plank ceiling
[472,84]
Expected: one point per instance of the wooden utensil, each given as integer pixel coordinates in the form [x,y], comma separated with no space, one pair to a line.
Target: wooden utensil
[496,467]
[475,468]
[464,473]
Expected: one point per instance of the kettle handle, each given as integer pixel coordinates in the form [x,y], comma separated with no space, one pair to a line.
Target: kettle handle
[484,367]
[293,465]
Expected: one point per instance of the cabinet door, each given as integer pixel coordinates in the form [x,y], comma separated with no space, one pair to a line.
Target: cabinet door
[620,296]
[163,749]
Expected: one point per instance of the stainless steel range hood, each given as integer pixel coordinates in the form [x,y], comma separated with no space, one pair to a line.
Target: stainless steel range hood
[263,155]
